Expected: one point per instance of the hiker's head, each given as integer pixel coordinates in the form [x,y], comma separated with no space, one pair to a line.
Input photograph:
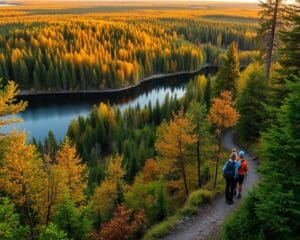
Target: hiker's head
[234,150]
[241,154]
[232,156]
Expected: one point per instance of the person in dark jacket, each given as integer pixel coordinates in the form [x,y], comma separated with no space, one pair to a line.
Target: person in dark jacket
[230,173]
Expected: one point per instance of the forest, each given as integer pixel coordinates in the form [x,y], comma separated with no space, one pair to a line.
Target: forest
[135,174]
[53,53]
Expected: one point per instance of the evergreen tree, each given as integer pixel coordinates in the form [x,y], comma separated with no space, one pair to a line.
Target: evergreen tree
[8,104]
[271,15]
[229,72]
[290,48]
[10,227]
[222,115]
[279,190]
[197,113]
[73,221]
[251,106]
[50,145]
[161,202]
[207,93]
[272,210]
[172,144]
[289,57]
[52,232]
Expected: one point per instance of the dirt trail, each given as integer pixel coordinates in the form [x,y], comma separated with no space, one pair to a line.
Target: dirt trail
[209,219]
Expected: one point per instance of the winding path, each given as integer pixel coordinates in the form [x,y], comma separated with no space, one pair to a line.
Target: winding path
[209,219]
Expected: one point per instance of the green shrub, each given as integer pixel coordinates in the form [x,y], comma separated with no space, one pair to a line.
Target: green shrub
[199,197]
[195,199]
[243,223]
[52,232]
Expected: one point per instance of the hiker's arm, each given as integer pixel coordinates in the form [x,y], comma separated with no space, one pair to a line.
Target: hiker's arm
[224,166]
[236,169]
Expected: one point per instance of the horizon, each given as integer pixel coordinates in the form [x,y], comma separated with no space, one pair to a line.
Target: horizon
[147,1]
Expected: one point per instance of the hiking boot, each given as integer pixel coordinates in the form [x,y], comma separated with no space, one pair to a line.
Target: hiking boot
[231,202]
[239,195]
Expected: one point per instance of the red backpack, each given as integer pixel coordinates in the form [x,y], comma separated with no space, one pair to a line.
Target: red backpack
[243,169]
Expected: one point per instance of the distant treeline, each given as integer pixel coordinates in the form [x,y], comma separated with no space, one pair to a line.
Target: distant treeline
[101,54]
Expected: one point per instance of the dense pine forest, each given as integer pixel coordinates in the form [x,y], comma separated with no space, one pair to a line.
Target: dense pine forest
[83,52]
[135,174]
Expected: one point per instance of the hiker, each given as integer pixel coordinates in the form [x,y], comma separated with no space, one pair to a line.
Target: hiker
[233,150]
[230,173]
[242,171]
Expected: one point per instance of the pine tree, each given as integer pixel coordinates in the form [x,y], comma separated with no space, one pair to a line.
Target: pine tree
[55,190]
[271,16]
[271,211]
[74,171]
[22,177]
[251,106]
[50,145]
[10,227]
[279,190]
[110,192]
[222,115]
[75,222]
[229,72]
[52,231]
[289,56]
[197,114]
[207,93]
[173,140]
[8,106]
[161,203]
[290,47]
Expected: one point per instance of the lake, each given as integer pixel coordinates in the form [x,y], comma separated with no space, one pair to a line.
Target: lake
[55,111]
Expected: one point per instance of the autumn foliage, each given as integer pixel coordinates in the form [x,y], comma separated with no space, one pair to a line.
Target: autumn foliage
[172,143]
[61,189]
[222,115]
[8,106]
[122,226]
[110,192]
[75,173]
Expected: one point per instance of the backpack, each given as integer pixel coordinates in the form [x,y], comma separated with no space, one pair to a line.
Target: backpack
[243,168]
[229,170]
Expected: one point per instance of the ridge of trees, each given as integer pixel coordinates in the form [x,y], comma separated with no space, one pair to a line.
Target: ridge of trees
[101,54]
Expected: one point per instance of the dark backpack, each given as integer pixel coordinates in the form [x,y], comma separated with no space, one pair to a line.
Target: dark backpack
[229,170]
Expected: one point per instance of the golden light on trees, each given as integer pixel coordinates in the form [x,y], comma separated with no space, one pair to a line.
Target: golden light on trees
[75,172]
[173,140]
[8,105]
[222,115]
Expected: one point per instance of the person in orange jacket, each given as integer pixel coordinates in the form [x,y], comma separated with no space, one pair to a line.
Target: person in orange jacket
[242,171]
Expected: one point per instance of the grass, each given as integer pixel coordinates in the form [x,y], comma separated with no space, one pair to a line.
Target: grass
[192,206]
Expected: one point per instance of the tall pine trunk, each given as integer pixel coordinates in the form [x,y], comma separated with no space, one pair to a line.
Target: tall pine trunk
[181,158]
[272,39]
[198,155]
[218,158]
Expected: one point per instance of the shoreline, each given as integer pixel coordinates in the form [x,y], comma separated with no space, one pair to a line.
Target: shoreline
[27,93]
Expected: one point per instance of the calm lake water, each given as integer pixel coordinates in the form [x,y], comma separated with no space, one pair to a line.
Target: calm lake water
[55,112]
